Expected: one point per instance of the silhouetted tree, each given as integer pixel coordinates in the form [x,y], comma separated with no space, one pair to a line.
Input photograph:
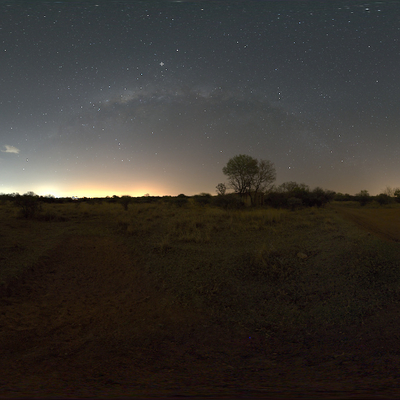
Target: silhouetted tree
[363,197]
[389,191]
[221,189]
[247,175]
[125,200]
[263,179]
[295,190]
[383,199]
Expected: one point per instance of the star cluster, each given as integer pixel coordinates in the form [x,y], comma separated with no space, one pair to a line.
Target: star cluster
[133,97]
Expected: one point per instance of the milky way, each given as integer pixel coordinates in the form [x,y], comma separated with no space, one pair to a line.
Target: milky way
[155,97]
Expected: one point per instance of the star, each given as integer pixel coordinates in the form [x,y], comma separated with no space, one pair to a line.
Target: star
[105,100]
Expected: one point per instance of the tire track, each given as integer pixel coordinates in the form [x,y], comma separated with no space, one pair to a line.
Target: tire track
[384,223]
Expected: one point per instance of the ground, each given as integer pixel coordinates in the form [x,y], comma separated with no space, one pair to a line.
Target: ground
[80,325]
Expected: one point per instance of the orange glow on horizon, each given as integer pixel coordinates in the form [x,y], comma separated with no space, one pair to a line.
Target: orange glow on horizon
[109,190]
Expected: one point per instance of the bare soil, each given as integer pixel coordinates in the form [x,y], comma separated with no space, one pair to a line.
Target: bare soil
[84,323]
[383,222]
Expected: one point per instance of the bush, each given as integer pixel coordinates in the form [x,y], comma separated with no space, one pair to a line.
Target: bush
[294,202]
[180,201]
[363,197]
[203,198]
[276,199]
[383,199]
[292,195]
[342,197]
[228,202]
[28,203]
[319,197]
[125,200]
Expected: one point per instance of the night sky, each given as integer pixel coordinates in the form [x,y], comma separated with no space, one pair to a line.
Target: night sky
[135,97]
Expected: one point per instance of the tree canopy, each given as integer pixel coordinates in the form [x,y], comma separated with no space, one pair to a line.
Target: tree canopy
[247,175]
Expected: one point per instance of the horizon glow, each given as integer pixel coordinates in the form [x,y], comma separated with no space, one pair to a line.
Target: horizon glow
[134,97]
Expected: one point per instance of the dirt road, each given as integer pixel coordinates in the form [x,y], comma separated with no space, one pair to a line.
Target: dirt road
[85,323]
[383,222]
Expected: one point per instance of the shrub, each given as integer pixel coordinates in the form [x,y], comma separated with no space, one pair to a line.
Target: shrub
[203,198]
[294,202]
[292,195]
[28,203]
[342,197]
[125,200]
[228,202]
[276,199]
[363,197]
[180,201]
[383,199]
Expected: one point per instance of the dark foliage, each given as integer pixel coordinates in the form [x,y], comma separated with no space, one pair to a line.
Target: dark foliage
[28,203]
[293,195]
[203,198]
[343,197]
[228,201]
[363,197]
[383,199]
[125,201]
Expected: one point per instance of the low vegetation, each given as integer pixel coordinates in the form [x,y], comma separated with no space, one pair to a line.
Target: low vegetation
[263,268]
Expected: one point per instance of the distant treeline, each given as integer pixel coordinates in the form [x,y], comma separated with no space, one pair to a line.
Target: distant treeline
[290,195]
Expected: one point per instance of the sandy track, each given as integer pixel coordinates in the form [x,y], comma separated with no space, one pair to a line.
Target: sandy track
[382,222]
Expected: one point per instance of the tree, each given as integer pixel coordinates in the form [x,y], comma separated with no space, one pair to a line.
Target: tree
[363,197]
[319,197]
[389,191]
[247,175]
[263,179]
[221,189]
[125,200]
[397,195]
[383,199]
[240,171]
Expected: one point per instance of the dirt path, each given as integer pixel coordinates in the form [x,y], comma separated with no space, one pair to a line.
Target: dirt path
[383,222]
[85,323]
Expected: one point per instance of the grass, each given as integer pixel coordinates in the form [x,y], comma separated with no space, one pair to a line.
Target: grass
[262,269]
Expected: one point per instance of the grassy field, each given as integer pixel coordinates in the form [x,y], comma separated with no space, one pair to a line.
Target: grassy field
[264,269]
[99,301]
